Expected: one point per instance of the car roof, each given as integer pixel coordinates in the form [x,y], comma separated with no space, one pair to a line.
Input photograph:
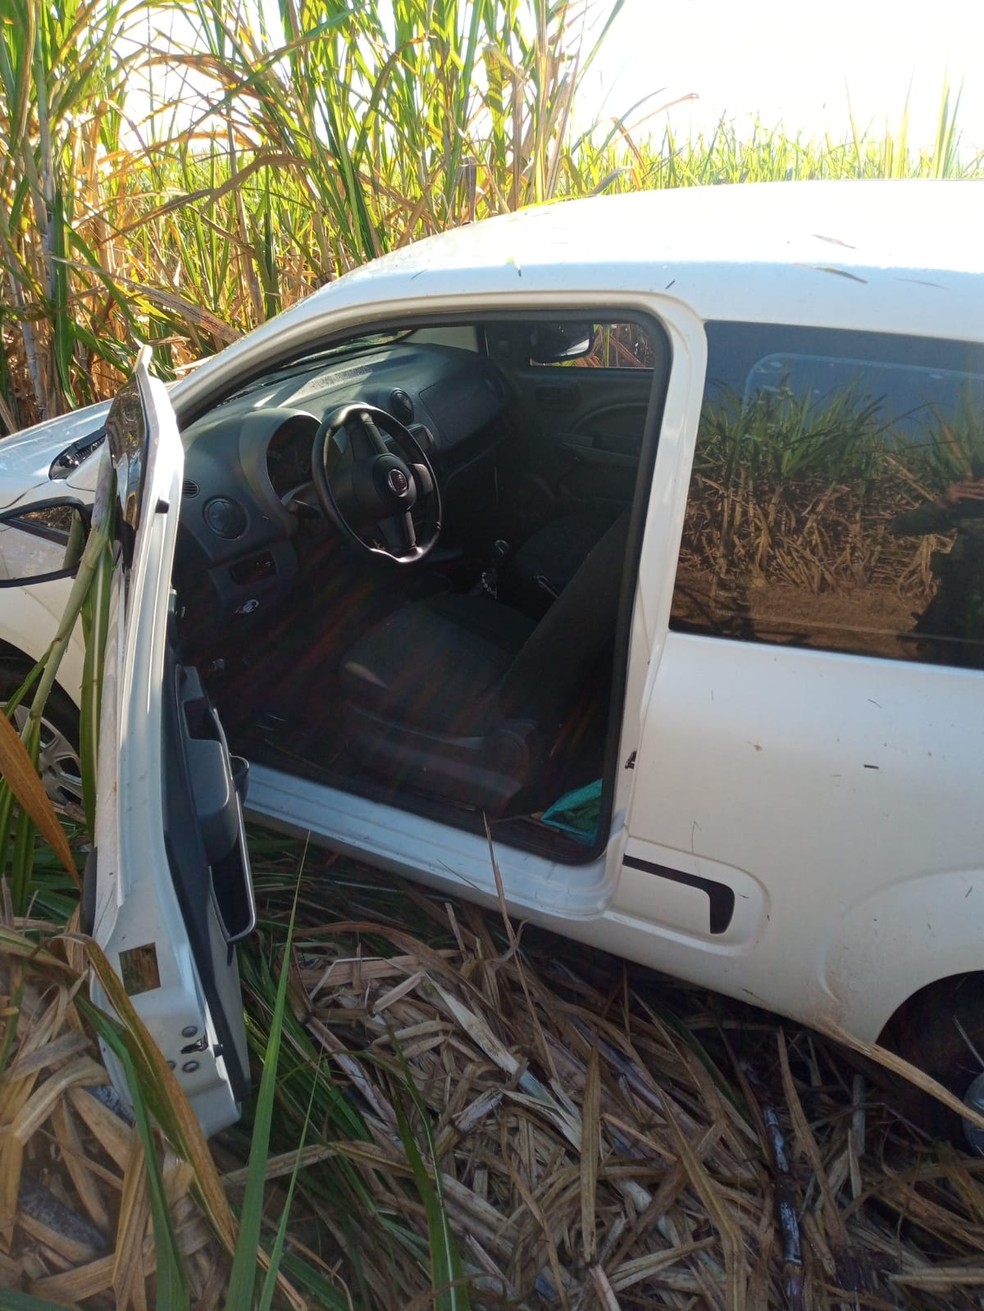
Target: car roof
[904,224]
[902,256]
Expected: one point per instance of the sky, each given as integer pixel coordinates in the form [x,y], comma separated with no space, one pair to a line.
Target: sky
[803,67]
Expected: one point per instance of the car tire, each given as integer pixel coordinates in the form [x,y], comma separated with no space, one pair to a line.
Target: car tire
[941,1030]
[60,762]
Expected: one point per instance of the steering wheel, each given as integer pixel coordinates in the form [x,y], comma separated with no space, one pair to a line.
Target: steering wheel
[369,488]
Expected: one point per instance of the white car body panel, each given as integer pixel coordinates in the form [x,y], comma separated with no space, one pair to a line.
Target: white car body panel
[27,456]
[30,616]
[861,806]
[449,859]
[835,799]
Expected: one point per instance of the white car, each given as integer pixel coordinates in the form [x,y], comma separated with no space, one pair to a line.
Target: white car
[639,541]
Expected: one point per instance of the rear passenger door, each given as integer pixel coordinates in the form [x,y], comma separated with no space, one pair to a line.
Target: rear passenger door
[582,418]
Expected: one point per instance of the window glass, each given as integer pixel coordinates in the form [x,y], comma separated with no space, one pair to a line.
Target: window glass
[592,346]
[574,342]
[837,495]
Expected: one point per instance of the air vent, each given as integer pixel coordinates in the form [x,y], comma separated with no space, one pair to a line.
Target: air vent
[401,406]
[189,489]
[225,517]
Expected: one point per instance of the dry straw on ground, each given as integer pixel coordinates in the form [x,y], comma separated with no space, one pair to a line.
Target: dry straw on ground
[604,1137]
[74,1202]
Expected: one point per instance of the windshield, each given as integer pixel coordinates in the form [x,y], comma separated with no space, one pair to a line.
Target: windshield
[304,363]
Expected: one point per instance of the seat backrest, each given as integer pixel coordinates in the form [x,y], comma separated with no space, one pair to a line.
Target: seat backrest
[558,655]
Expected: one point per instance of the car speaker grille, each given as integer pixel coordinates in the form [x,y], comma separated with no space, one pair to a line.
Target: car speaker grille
[189,489]
[557,400]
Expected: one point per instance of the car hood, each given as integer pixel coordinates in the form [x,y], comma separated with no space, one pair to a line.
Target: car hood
[26,456]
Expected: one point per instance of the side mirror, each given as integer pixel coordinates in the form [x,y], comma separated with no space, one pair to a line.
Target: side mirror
[552,343]
[42,541]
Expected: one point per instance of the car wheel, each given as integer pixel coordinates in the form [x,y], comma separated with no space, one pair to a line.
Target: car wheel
[59,762]
[941,1030]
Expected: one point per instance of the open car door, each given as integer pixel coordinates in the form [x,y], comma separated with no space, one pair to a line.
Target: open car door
[171,891]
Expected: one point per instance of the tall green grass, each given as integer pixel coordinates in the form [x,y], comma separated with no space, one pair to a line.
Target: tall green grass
[177,173]
[61,82]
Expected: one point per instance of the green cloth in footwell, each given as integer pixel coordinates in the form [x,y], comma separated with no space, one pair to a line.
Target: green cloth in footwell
[577,813]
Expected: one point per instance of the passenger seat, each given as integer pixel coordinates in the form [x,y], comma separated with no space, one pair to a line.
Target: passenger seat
[539,570]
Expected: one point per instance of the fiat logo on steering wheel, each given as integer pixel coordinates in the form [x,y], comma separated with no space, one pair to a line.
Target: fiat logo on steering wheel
[398,481]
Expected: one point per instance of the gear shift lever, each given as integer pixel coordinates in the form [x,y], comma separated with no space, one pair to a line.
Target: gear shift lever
[490,576]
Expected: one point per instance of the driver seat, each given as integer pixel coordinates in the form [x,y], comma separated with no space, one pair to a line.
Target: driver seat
[461,697]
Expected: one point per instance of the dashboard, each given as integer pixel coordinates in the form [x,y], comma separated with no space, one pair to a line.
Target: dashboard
[247,486]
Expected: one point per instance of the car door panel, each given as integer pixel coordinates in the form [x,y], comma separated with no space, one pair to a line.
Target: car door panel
[585,431]
[582,433]
[208,857]
[172,883]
